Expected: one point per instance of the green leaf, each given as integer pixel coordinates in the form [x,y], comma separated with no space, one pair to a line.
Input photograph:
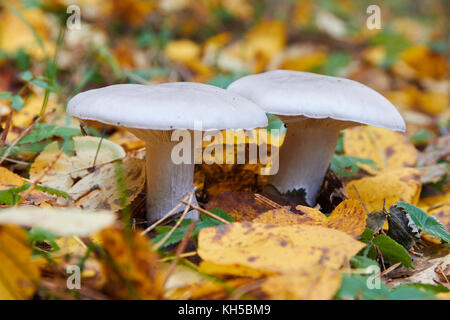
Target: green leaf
[11,196]
[344,165]
[16,100]
[53,191]
[223,81]
[276,124]
[42,131]
[218,212]
[336,62]
[26,76]
[361,262]
[421,137]
[39,235]
[356,287]
[414,291]
[426,223]
[392,251]
[178,235]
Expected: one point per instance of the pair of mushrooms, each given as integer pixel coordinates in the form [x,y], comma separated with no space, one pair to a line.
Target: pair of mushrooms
[315,108]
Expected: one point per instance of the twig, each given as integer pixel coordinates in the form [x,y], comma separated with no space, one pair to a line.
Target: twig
[98,148]
[360,200]
[163,240]
[183,255]
[212,215]
[165,217]
[391,268]
[267,201]
[181,247]
[6,130]
[36,182]
[22,134]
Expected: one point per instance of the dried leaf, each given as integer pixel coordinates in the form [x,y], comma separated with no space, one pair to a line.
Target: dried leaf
[130,266]
[389,149]
[280,249]
[19,275]
[64,222]
[308,284]
[391,186]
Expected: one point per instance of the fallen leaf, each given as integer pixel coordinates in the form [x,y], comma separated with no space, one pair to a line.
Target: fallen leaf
[10,178]
[91,188]
[391,186]
[19,275]
[389,149]
[130,266]
[317,283]
[241,205]
[279,249]
[349,216]
[63,222]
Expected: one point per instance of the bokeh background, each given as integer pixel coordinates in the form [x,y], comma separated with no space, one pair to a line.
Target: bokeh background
[43,63]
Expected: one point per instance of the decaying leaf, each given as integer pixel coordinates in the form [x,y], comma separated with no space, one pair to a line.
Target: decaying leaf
[317,283]
[19,275]
[10,178]
[241,205]
[349,216]
[130,266]
[284,217]
[391,186]
[91,187]
[279,249]
[64,222]
[389,149]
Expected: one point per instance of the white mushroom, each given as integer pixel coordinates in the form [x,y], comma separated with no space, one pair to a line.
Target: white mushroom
[153,112]
[315,108]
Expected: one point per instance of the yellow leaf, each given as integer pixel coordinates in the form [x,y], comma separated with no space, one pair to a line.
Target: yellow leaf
[284,217]
[130,267]
[433,102]
[133,12]
[19,275]
[392,186]
[425,62]
[127,140]
[15,34]
[241,205]
[388,149]
[276,249]
[32,107]
[305,62]
[10,178]
[308,284]
[349,216]
[182,51]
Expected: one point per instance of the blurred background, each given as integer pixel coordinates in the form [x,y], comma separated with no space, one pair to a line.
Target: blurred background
[52,49]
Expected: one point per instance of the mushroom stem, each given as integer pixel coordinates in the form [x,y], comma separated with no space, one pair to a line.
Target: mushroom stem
[167,182]
[305,156]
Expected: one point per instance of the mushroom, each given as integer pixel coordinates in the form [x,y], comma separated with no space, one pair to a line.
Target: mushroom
[315,108]
[153,113]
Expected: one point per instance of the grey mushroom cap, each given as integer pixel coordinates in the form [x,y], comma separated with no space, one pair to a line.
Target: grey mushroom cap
[294,93]
[177,105]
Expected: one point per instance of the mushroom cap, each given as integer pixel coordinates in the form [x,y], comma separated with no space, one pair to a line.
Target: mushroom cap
[177,105]
[294,93]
